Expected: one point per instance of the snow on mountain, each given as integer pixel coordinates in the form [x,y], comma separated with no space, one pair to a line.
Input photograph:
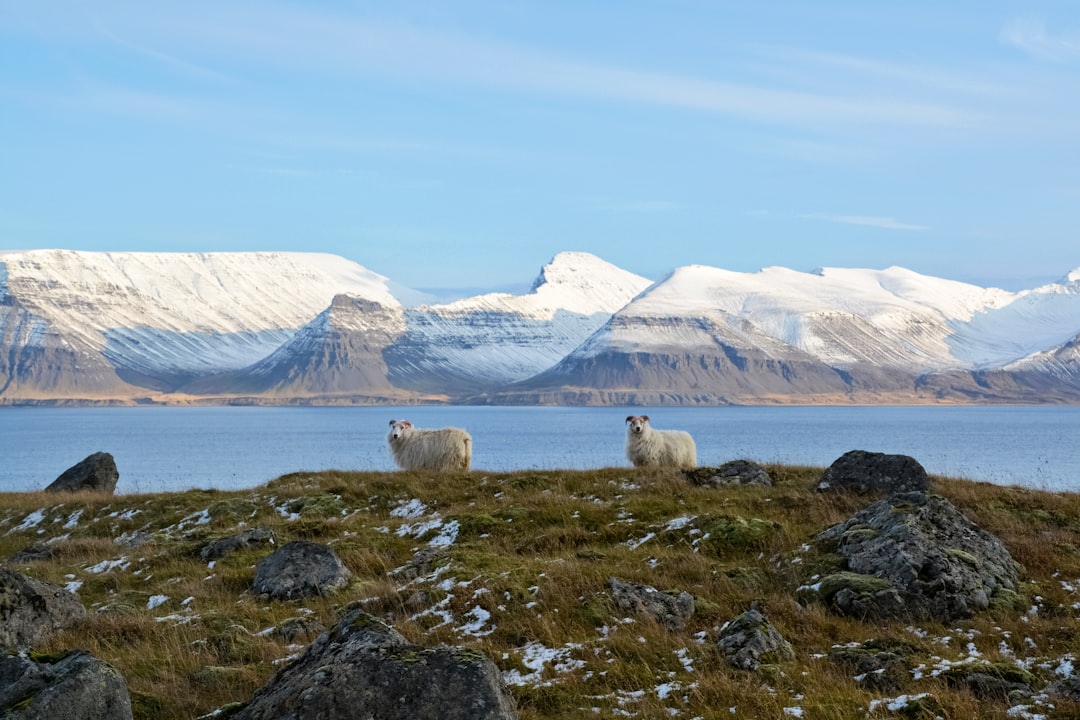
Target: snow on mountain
[181,313]
[309,327]
[705,334]
[893,317]
[499,337]
[337,354]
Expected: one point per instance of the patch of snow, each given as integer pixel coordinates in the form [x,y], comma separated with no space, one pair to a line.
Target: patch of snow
[73,519]
[409,509]
[447,535]
[896,703]
[480,617]
[106,565]
[30,521]
[156,601]
[635,544]
[535,657]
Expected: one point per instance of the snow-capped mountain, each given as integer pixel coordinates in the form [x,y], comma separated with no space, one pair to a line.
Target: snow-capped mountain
[710,335]
[364,350]
[98,322]
[312,328]
[498,338]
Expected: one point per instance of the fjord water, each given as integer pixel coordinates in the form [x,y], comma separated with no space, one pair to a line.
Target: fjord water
[227,448]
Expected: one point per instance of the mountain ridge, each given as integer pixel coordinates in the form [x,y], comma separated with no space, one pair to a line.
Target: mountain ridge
[311,328]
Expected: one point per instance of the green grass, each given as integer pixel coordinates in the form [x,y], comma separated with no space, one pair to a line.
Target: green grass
[524,580]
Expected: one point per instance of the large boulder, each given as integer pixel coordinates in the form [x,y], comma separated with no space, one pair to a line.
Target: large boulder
[31,610]
[670,609]
[300,569]
[865,472]
[750,640]
[77,685]
[365,669]
[914,556]
[96,472]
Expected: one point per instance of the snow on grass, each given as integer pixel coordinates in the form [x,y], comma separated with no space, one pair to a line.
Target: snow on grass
[635,544]
[409,509]
[447,536]
[418,529]
[105,566]
[196,518]
[30,521]
[480,618]
[897,703]
[156,601]
[73,519]
[679,523]
[536,657]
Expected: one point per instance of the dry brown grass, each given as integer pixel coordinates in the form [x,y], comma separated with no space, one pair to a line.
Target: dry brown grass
[535,551]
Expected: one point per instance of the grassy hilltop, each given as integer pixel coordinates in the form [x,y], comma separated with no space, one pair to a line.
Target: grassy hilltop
[521,575]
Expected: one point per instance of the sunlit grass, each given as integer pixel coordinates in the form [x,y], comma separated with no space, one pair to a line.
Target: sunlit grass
[524,578]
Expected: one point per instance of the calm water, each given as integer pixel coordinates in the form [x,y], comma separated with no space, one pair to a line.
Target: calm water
[166,449]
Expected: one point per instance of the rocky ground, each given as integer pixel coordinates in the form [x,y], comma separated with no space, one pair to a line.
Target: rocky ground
[866,589]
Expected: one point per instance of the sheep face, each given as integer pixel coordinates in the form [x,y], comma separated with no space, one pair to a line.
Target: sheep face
[637,423]
[400,429]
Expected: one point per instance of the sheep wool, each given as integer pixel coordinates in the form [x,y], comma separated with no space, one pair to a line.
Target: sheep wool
[648,447]
[442,450]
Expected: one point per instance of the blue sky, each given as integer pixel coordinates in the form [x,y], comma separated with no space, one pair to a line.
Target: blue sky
[464,143]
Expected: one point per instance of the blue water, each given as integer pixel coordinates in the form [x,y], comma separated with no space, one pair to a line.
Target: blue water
[168,449]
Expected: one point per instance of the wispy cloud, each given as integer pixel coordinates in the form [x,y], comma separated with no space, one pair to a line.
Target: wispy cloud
[634,206]
[336,44]
[884,223]
[1031,36]
[174,63]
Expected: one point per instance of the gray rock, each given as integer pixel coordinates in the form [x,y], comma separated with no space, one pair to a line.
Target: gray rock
[750,640]
[422,563]
[365,669]
[913,556]
[298,628]
[1066,687]
[672,610]
[35,552]
[30,610]
[865,472]
[76,685]
[96,472]
[736,472]
[300,569]
[255,537]
[876,666]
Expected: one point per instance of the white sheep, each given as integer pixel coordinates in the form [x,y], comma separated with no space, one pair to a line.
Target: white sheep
[647,446]
[442,450]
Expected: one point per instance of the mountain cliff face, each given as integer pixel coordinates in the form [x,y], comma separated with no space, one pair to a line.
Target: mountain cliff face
[363,351]
[705,335]
[83,325]
[281,328]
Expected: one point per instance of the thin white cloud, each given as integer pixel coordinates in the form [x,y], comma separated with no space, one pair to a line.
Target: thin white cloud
[1031,36]
[334,44]
[635,206]
[884,223]
[174,63]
